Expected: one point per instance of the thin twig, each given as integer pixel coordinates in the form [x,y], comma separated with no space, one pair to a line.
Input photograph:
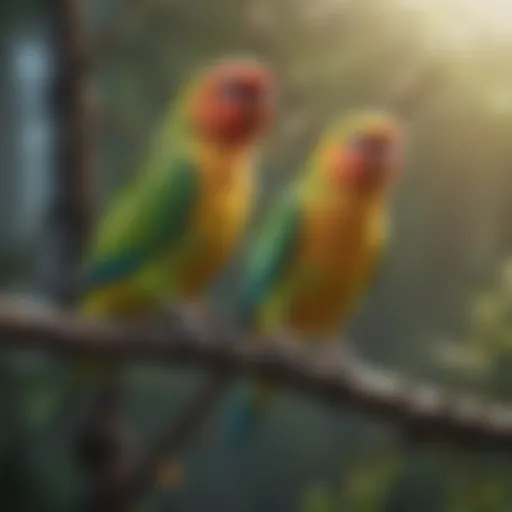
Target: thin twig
[114,34]
[423,85]
[173,437]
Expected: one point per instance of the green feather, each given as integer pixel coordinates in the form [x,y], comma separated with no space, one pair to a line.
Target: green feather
[151,215]
[272,254]
[149,218]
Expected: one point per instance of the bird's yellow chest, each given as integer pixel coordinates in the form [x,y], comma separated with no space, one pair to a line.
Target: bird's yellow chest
[334,243]
[337,251]
[223,207]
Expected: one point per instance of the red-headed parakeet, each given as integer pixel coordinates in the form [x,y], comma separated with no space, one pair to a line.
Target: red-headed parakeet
[321,244]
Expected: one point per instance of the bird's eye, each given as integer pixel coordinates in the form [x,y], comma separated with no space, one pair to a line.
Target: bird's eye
[232,91]
[372,145]
[229,91]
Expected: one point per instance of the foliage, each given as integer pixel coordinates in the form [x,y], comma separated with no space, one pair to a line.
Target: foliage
[318,498]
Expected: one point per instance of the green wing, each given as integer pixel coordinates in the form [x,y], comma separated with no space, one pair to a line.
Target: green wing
[148,219]
[272,253]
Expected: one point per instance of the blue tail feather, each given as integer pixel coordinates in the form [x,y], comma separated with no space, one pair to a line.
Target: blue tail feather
[244,413]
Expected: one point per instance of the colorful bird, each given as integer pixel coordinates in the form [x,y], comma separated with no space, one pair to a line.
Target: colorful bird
[175,226]
[178,222]
[320,246]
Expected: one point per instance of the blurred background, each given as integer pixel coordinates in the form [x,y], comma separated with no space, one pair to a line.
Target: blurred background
[442,309]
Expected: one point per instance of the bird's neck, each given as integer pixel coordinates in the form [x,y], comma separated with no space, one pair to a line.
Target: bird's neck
[222,160]
[346,198]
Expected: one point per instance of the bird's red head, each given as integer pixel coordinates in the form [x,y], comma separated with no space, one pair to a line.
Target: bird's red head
[368,158]
[234,103]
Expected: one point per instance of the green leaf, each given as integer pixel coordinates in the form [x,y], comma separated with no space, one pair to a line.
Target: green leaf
[318,498]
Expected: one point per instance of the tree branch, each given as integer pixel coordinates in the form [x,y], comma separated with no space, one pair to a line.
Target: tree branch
[72,212]
[421,410]
[101,443]
[133,481]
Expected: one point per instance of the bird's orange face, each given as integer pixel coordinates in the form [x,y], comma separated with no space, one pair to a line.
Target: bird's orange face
[235,103]
[369,160]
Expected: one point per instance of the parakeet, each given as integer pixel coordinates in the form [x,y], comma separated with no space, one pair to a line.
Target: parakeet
[320,245]
[172,230]
[174,227]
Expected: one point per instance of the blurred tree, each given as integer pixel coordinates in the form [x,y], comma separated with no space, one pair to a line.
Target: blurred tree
[318,498]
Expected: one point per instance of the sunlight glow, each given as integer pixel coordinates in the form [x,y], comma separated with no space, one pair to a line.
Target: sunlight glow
[489,17]
[500,102]
[493,14]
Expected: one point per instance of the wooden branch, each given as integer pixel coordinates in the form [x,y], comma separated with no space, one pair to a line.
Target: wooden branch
[421,410]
